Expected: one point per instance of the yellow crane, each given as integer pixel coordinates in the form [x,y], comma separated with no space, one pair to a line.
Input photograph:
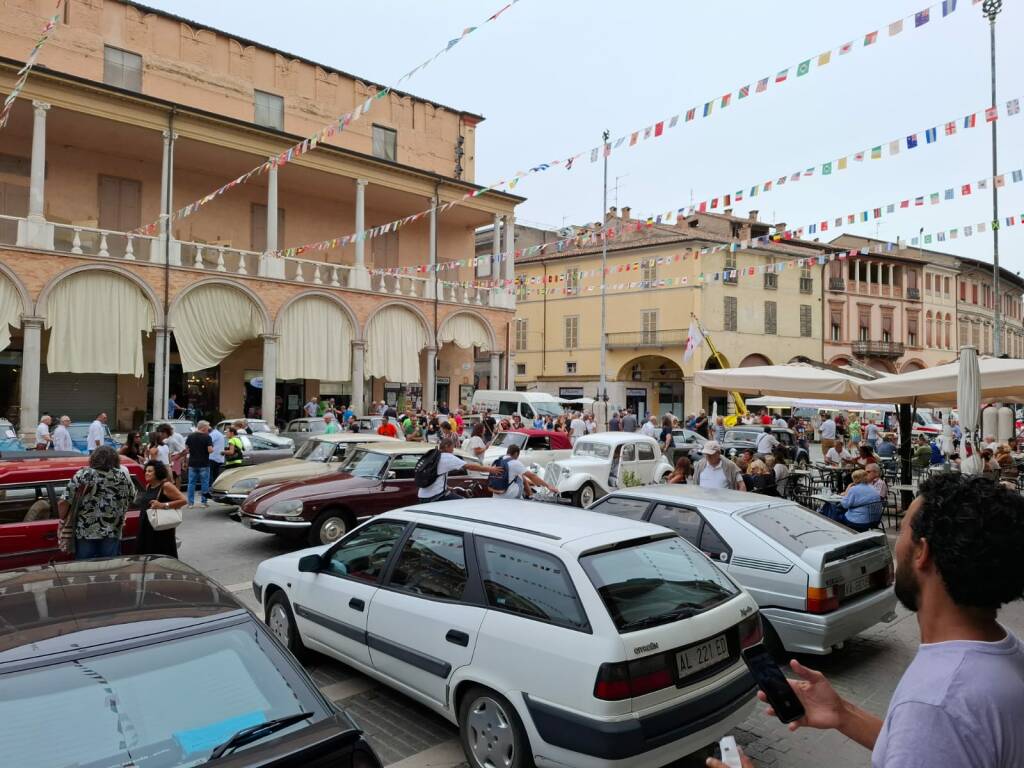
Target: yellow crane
[741,407]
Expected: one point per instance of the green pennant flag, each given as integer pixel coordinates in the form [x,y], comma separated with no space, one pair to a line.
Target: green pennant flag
[826,169]
[804,68]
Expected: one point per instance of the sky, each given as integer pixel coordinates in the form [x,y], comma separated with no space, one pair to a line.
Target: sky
[550,75]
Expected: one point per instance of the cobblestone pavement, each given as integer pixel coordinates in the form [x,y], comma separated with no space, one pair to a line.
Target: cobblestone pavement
[407,735]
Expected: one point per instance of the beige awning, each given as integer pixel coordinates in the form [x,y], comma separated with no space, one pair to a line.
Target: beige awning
[465,331]
[937,387]
[793,380]
[210,322]
[316,341]
[393,343]
[10,311]
[96,321]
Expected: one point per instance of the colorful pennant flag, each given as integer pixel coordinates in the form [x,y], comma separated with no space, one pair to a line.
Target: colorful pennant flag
[803,68]
[922,17]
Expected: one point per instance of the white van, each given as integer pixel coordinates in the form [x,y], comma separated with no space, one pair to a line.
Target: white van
[529,405]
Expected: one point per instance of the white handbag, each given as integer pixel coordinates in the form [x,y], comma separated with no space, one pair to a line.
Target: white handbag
[164,519]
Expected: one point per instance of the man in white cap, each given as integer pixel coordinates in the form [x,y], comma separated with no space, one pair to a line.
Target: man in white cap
[716,471]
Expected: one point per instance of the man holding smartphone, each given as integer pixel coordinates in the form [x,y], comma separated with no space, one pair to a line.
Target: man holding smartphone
[960,701]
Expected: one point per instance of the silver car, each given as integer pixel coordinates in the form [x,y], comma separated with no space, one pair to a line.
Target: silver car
[818,583]
[300,430]
[262,429]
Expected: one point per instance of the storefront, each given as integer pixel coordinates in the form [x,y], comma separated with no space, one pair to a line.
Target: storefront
[636,400]
[442,392]
[670,398]
[339,391]
[570,393]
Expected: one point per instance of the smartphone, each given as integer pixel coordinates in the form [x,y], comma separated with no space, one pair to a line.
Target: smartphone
[769,678]
[730,754]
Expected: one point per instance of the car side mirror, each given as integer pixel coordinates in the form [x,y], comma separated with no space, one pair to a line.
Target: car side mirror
[310,564]
[390,475]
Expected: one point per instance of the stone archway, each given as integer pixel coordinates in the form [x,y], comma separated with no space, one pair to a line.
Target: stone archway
[396,335]
[653,383]
[467,355]
[754,360]
[913,365]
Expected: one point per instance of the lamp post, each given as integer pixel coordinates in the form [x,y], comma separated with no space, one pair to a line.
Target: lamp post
[991,9]
[602,390]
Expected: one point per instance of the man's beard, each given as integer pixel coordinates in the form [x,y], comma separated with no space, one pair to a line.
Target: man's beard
[906,586]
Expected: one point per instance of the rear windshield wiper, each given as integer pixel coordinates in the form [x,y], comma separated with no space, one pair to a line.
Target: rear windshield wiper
[256,732]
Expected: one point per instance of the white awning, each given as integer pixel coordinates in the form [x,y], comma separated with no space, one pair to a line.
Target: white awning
[792,380]
[10,311]
[465,331]
[316,341]
[96,321]
[210,322]
[393,343]
[937,387]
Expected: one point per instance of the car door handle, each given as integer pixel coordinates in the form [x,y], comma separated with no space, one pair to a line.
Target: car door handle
[50,536]
[457,637]
[356,604]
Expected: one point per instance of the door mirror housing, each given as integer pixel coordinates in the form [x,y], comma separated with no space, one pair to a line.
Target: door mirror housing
[310,564]
[390,475]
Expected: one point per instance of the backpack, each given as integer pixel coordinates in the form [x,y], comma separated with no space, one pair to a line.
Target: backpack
[426,468]
[499,482]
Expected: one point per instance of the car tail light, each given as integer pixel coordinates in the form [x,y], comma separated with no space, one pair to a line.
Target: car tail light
[883,577]
[624,680]
[821,600]
[751,632]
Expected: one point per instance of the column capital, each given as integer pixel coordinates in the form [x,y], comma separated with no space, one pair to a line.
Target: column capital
[169,135]
[359,344]
[495,355]
[33,321]
[40,106]
[270,338]
[362,182]
[430,350]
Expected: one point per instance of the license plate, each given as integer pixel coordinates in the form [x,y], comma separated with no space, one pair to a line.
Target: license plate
[857,585]
[691,660]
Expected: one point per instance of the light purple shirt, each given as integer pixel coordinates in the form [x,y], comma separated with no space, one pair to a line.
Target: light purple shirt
[958,705]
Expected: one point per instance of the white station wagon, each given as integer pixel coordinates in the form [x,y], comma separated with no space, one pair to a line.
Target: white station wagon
[569,639]
[605,461]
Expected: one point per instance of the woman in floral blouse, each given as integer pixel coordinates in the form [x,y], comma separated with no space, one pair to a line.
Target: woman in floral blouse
[106,493]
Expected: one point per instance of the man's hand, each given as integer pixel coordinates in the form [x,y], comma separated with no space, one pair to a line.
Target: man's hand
[745,761]
[823,707]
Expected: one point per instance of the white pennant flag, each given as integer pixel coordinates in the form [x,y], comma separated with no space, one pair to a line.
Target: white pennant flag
[693,340]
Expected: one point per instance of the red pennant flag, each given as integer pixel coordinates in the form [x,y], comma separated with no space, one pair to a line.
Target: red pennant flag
[659,128]
[965,189]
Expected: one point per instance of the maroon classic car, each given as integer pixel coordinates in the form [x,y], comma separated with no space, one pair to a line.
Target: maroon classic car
[31,484]
[376,478]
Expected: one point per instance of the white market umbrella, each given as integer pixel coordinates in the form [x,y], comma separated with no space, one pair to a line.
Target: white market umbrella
[714,412]
[793,380]
[968,402]
[1000,380]
[818,404]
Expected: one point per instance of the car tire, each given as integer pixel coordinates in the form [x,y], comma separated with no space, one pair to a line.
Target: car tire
[329,526]
[585,496]
[281,622]
[491,733]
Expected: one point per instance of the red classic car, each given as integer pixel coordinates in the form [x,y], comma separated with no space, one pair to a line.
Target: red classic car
[31,483]
[375,478]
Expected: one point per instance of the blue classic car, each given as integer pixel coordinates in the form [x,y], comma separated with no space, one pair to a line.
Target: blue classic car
[79,436]
[9,438]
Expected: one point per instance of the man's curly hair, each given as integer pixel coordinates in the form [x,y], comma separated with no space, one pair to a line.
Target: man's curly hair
[975,530]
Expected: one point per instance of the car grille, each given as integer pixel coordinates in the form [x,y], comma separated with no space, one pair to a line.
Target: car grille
[551,473]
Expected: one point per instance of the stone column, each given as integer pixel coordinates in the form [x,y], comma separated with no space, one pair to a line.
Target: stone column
[358,377]
[509,272]
[31,357]
[158,249]
[360,276]
[160,392]
[272,265]
[495,377]
[430,385]
[431,274]
[269,403]
[35,232]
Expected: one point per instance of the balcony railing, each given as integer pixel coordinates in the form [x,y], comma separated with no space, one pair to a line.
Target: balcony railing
[914,294]
[878,348]
[104,244]
[836,284]
[639,339]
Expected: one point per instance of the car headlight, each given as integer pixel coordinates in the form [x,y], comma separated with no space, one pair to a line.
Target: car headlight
[566,473]
[292,508]
[244,486]
[535,469]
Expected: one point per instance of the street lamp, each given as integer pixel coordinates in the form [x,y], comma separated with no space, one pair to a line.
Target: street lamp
[602,390]
[991,9]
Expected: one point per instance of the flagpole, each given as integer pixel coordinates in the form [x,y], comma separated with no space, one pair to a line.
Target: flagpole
[991,9]
[741,407]
[602,393]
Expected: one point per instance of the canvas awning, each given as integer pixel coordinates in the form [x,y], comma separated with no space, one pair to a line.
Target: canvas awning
[818,404]
[210,322]
[316,341]
[10,311]
[394,340]
[793,380]
[937,387]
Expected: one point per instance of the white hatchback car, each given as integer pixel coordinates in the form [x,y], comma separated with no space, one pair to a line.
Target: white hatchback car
[571,639]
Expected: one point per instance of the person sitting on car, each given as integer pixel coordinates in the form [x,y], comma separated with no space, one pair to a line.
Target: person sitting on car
[520,480]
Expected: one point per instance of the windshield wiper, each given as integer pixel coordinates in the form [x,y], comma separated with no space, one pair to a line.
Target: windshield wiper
[255,733]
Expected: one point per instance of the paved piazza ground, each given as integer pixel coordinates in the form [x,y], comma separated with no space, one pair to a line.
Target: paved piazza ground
[408,735]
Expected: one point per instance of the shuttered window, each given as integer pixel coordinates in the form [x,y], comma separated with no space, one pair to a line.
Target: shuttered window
[864,323]
[649,326]
[572,331]
[729,322]
[886,326]
[649,273]
[835,323]
[520,334]
[770,318]
[805,320]
[912,330]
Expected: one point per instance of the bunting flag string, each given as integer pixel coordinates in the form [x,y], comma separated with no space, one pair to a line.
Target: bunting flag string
[820,225]
[326,132]
[652,131]
[30,62]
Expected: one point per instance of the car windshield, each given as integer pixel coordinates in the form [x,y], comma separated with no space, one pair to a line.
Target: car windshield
[365,464]
[548,409]
[257,425]
[505,439]
[655,582]
[796,528]
[315,450]
[163,705]
[81,431]
[741,436]
[592,448]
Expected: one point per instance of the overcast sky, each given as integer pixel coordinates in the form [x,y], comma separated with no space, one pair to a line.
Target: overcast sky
[550,75]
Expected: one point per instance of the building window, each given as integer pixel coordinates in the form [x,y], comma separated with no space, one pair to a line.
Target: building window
[729,321]
[805,320]
[974,293]
[729,275]
[269,110]
[770,318]
[864,324]
[570,367]
[835,323]
[572,332]
[520,334]
[122,69]
[928,282]
[572,282]
[945,287]
[806,280]
[963,291]
[886,325]
[771,278]
[649,326]
[911,330]
[649,272]
[520,369]
[385,143]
